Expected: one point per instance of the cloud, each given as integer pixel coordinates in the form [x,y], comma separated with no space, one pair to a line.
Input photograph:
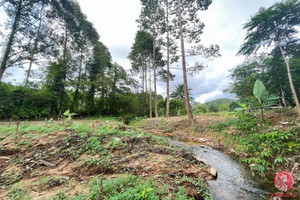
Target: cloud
[115,21]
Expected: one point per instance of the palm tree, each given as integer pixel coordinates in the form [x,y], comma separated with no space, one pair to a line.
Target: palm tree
[179,93]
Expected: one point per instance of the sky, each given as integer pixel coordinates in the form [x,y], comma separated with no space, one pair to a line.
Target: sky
[115,21]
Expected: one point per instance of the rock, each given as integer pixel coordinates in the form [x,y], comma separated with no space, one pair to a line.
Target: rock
[213,172]
[117,139]
[202,140]
[199,159]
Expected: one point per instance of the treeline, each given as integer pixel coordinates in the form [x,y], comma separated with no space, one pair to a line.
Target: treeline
[76,69]
[271,70]
[218,105]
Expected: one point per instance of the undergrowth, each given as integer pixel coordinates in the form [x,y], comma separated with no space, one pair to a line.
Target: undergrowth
[262,146]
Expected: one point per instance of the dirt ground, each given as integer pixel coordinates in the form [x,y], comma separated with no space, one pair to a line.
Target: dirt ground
[49,163]
[195,131]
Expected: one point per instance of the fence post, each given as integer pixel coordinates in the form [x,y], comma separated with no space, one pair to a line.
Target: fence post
[17,131]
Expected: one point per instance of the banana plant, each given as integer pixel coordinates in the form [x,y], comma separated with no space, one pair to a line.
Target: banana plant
[68,116]
[263,97]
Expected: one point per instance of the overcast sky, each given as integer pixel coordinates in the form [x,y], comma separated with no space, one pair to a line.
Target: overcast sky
[115,21]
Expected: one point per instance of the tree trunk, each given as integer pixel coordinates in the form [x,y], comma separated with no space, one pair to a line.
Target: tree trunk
[154,79]
[10,40]
[143,80]
[64,71]
[34,49]
[76,95]
[146,80]
[150,97]
[290,80]
[283,96]
[186,92]
[168,65]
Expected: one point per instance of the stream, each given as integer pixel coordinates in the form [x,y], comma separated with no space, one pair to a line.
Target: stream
[235,180]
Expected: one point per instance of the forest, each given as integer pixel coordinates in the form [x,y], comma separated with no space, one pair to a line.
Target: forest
[79,125]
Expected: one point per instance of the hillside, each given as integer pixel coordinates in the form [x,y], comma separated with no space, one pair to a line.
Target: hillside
[218,102]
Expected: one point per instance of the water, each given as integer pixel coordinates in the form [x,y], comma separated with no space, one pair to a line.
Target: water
[235,181]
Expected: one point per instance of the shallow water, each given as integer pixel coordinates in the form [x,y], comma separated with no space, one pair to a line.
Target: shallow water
[235,180]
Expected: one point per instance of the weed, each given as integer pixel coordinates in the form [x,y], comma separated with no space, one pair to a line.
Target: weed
[103,162]
[202,189]
[268,149]
[60,196]
[115,144]
[129,187]
[17,192]
[10,178]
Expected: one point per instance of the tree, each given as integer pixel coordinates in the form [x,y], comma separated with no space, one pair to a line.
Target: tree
[179,93]
[140,55]
[274,25]
[152,21]
[39,43]
[101,60]
[18,13]
[171,50]
[190,28]
[244,77]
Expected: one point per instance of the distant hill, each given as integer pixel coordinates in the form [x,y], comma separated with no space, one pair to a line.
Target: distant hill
[218,102]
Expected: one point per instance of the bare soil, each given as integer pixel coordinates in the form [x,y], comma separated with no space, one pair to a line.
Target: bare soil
[45,167]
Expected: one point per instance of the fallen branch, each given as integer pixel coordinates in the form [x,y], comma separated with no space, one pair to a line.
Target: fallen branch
[48,164]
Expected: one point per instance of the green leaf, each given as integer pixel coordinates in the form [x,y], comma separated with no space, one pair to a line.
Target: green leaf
[259,89]
[66,113]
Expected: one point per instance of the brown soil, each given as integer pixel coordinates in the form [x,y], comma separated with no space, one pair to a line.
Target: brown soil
[182,129]
[45,168]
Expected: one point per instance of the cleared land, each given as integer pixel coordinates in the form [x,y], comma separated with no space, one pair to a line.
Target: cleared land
[96,160]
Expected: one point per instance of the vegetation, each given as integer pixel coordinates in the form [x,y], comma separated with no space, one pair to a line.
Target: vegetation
[70,74]
[217,105]
[263,147]
[114,154]
[271,25]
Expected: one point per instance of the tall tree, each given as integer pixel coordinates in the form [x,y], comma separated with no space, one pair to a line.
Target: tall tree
[171,50]
[39,32]
[19,18]
[190,28]
[277,25]
[152,21]
[100,61]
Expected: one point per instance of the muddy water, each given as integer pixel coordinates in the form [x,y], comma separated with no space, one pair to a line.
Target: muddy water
[235,181]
